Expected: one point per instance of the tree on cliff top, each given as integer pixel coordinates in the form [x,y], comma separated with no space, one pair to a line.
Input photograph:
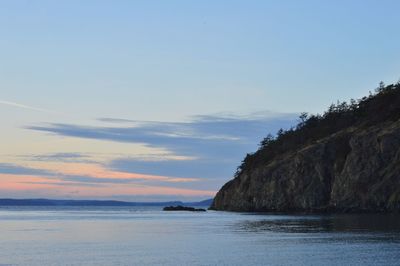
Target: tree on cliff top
[383,105]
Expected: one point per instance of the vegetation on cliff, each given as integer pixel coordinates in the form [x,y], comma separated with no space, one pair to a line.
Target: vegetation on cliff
[382,105]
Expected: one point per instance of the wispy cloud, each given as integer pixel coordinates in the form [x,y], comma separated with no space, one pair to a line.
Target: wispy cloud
[36,186]
[59,157]
[62,183]
[88,173]
[184,138]
[215,144]
[13,169]
[23,106]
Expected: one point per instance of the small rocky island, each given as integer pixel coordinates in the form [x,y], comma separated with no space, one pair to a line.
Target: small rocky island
[183,208]
[345,160]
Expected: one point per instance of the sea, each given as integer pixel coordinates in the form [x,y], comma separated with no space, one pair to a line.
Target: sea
[149,236]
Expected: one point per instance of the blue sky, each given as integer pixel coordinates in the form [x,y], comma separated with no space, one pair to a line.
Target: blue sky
[174,89]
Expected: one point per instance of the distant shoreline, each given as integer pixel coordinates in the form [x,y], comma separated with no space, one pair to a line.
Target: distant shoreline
[60,202]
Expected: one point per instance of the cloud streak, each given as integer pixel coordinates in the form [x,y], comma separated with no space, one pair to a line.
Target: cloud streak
[23,106]
[88,173]
[13,169]
[36,186]
[214,145]
[70,157]
[184,138]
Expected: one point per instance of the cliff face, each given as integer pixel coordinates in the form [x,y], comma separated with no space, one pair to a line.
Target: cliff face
[355,169]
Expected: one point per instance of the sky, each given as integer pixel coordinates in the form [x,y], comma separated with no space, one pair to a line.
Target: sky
[161,100]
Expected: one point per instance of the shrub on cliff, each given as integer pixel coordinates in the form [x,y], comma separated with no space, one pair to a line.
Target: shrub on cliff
[378,107]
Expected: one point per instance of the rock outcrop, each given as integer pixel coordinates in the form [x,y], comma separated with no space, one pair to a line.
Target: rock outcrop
[355,169]
[183,208]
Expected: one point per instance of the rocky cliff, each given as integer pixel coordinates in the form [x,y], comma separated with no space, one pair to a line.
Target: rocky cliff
[351,169]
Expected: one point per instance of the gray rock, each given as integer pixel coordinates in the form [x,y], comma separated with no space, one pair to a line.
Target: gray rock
[353,170]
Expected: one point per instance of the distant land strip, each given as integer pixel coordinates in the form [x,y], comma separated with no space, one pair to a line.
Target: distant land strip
[53,202]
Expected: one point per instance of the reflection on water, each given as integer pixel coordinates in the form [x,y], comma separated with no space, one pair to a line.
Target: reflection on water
[325,223]
[148,236]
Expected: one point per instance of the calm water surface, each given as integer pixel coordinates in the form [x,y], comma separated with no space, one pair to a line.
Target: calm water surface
[147,236]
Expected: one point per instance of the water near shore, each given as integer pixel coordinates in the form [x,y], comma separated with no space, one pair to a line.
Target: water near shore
[148,236]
